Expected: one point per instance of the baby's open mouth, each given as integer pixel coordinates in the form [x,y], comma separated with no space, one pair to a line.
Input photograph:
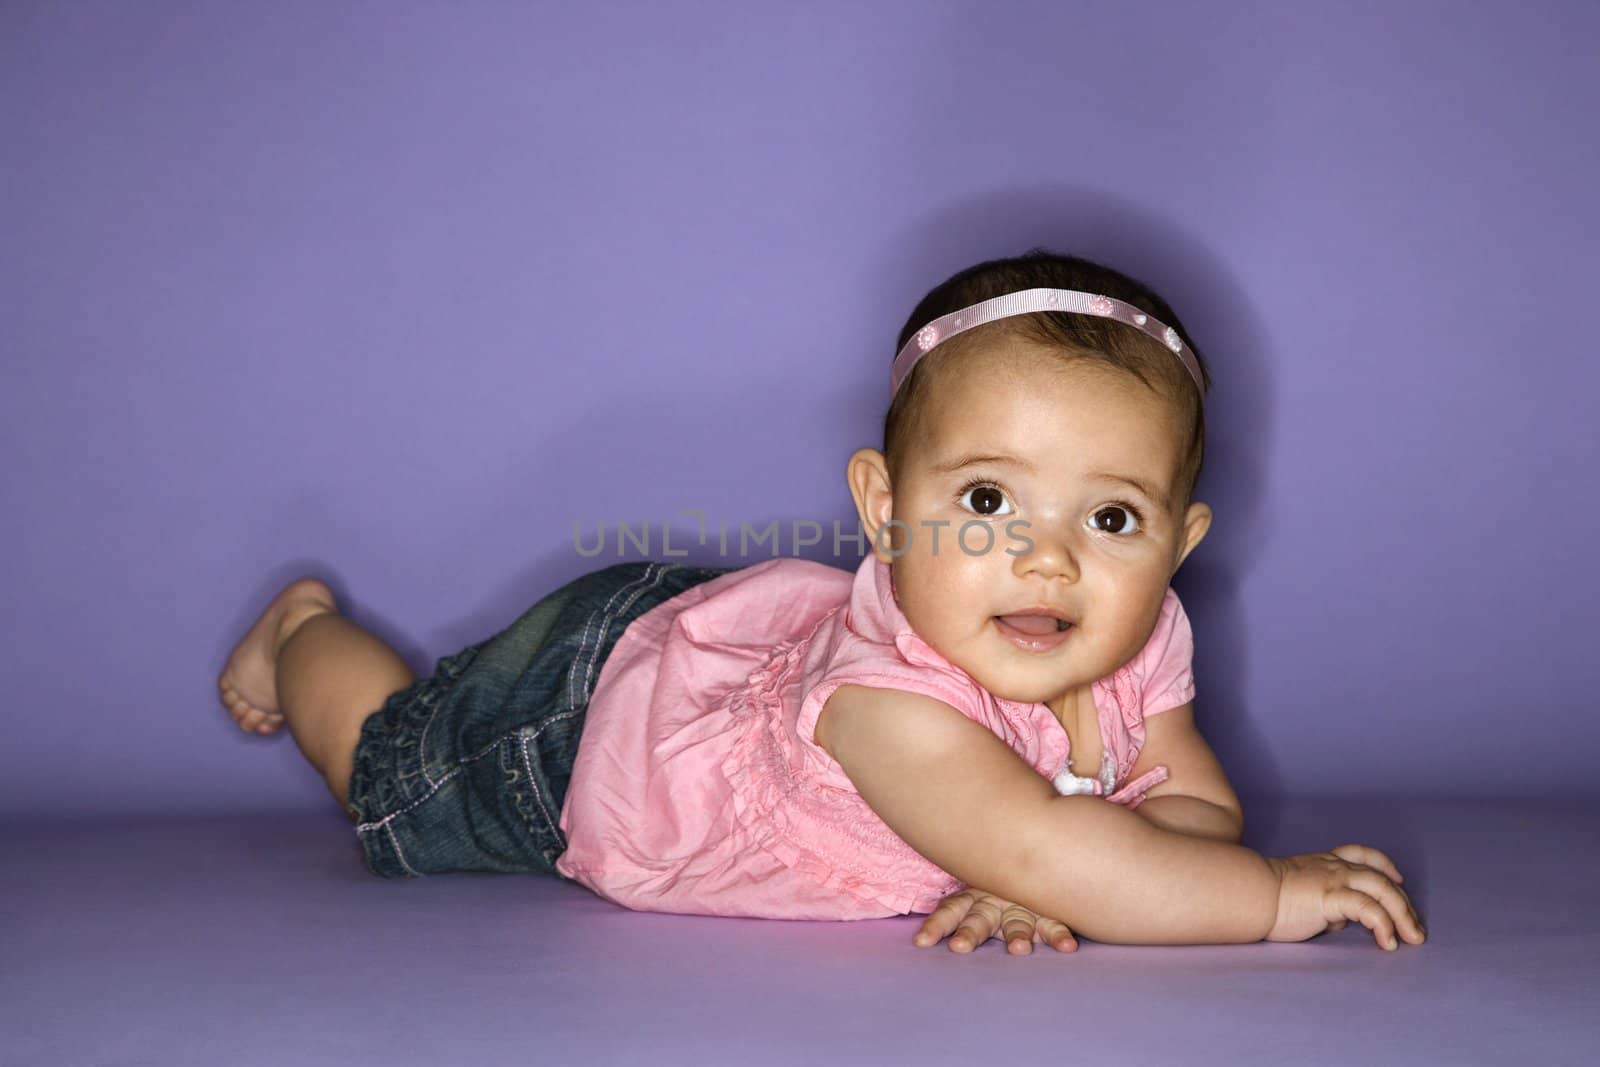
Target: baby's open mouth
[1034,624]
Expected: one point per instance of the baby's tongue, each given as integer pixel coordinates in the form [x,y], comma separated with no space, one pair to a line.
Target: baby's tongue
[1031,624]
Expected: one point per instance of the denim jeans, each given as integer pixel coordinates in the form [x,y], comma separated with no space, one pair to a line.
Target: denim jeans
[467,769]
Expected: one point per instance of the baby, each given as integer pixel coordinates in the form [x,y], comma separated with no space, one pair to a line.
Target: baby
[999,696]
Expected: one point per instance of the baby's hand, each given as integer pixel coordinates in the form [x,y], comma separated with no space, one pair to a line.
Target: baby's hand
[975,916]
[1324,890]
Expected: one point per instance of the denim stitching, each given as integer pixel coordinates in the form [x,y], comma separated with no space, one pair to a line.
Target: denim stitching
[538,798]
[384,822]
[397,851]
[422,747]
[422,744]
[654,574]
[595,654]
[527,765]
[610,610]
[422,741]
[604,614]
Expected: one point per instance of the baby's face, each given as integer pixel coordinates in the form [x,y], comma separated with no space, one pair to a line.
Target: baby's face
[1061,436]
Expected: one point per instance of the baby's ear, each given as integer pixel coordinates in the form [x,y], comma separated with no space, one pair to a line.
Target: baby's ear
[867,473]
[1196,522]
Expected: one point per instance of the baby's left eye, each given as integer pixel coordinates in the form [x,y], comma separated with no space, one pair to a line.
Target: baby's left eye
[1118,512]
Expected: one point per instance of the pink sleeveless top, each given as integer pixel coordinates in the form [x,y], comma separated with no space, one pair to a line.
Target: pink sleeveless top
[699,789]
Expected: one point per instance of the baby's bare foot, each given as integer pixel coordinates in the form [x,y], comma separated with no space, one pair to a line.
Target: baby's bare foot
[248,684]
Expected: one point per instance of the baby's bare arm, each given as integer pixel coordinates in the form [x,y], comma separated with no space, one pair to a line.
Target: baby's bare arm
[1134,883]
[1191,816]
[959,796]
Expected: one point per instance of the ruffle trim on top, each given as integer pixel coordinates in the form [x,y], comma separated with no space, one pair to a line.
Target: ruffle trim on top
[780,803]
[919,653]
[1125,693]
[1131,795]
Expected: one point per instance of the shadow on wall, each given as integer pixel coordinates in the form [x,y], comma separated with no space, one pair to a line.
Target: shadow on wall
[681,450]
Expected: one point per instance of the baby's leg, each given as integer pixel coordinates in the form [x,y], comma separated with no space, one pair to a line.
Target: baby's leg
[304,664]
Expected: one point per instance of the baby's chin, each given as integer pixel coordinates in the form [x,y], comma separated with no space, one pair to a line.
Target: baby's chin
[1044,683]
[1008,686]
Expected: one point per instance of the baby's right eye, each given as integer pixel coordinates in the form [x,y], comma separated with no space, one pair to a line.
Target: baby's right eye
[987,498]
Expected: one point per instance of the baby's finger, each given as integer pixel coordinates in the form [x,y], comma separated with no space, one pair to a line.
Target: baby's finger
[1370,857]
[1017,924]
[981,921]
[1056,933]
[1376,861]
[1394,899]
[942,919]
[1353,904]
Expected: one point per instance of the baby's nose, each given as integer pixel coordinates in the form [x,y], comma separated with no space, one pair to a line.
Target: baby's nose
[1046,551]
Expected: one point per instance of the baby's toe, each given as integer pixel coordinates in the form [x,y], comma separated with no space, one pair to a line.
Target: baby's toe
[265,722]
[237,706]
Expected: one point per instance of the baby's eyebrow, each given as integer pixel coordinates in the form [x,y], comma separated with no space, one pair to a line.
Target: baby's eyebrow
[1137,483]
[975,459]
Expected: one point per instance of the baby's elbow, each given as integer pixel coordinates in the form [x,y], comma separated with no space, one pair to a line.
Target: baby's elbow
[1237,815]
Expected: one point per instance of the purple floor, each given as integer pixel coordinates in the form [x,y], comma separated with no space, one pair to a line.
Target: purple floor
[264,941]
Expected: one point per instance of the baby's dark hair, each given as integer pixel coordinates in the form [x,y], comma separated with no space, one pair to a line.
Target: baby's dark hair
[1075,337]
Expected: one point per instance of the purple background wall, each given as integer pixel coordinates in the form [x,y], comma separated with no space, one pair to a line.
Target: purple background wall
[395,293]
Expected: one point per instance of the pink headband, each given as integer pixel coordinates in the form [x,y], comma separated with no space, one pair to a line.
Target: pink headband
[1029,300]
